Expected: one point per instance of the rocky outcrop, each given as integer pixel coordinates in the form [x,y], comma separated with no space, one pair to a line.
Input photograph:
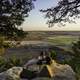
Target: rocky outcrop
[57,72]
[11,74]
[62,72]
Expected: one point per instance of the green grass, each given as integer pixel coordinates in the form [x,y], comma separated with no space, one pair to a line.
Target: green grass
[63,40]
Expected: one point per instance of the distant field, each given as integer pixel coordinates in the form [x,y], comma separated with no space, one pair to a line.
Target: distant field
[41,35]
[63,40]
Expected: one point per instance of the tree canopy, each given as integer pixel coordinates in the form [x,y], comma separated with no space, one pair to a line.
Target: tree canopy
[65,11]
[12,15]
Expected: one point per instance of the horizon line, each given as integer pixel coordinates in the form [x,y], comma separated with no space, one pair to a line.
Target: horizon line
[53,30]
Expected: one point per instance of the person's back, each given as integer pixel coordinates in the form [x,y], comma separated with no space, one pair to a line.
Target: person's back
[48,60]
[40,58]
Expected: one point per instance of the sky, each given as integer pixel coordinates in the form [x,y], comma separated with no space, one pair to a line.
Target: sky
[36,20]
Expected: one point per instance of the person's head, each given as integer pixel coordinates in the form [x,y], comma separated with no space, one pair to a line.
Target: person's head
[41,54]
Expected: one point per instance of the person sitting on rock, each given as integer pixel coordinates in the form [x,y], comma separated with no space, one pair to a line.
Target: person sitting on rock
[48,60]
[40,58]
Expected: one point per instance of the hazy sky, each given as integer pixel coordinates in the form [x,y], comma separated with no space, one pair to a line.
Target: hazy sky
[36,20]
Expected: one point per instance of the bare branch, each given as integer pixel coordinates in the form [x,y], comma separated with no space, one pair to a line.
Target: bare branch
[63,11]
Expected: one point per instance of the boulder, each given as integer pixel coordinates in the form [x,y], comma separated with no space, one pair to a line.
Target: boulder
[11,74]
[57,71]
[62,72]
[53,71]
[2,76]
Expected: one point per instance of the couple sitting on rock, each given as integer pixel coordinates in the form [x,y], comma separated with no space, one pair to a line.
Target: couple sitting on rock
[44,58]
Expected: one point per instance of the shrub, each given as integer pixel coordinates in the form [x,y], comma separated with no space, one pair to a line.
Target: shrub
[53,54]
[8,63]
[15,61]
[75,62]
[2,61]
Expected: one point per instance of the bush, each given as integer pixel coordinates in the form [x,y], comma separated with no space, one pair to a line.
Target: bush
[8,63]
[75,62]
[2,61]
[53,54]
[4,45]
[15,61]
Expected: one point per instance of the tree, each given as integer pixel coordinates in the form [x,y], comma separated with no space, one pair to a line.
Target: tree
[65,11]
[12,15]
[75,61]
[76,48]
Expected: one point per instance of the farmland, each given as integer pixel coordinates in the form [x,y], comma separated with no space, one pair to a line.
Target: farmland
[61,42]
[56,37]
